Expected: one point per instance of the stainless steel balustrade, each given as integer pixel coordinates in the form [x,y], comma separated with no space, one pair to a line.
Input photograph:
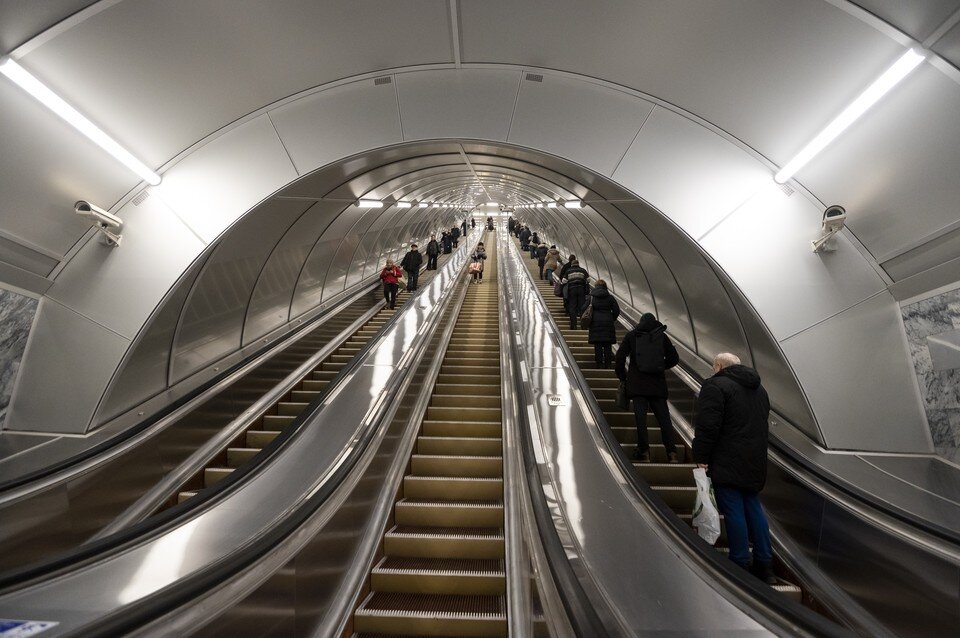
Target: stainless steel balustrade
[191,556]
[620,549]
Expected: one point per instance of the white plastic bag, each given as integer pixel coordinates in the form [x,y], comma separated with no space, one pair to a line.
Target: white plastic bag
[706,518]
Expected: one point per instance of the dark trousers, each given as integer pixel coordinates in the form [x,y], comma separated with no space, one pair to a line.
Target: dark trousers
[412,279]
[603,354]
[659,408]
[540,263]
[576,300]
[390,293]
[431,262]
[746,523]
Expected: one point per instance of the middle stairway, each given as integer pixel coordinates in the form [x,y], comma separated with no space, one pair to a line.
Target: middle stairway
[442,569]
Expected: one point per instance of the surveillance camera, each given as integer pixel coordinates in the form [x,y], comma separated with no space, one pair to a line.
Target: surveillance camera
[834,220]
[105,222]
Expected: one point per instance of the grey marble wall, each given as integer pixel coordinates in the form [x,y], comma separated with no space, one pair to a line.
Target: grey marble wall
[16,318]
[934,322]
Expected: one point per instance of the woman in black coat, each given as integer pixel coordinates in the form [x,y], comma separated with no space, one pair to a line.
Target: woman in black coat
[603,323]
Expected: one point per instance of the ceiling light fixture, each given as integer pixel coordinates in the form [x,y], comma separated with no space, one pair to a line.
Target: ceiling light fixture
[880,87]
[26,81]
[369,203]
[551,204]
[575,203]
[404,204]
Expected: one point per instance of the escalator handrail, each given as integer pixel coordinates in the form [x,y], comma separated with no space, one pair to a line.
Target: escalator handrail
[776,607]
[158,524]
[580,609]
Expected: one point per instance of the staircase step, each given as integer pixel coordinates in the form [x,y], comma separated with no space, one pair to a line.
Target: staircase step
[460,446]
[432,614]
[435,513]
[456,465]
[465,576]
[453,488]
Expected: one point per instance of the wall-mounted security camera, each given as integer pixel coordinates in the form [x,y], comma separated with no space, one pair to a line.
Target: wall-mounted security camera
[108,224]
[834,219]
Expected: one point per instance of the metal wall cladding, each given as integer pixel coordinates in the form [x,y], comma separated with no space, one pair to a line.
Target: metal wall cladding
[212,320]
[309,289]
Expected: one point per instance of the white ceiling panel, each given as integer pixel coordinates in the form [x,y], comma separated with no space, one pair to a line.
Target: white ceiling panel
[584,122]
[161,75]
[45,166]
[918,18]
[338,122]
[895,171]
[156,249]
[463,103]
[771,72]
[765,248]
[690,173]
[222,180]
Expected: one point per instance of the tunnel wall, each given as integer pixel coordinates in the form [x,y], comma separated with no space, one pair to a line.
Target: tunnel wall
[831,315]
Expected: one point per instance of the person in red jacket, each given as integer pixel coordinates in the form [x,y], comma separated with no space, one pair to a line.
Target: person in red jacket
[390,276]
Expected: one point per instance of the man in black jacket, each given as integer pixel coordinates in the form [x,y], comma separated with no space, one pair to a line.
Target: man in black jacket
[651,354]
[576,293]
[524,239]
[433,252]
[731,444]
[411,265]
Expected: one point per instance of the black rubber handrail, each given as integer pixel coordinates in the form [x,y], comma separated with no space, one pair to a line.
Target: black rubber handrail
[781,607]
[159,523]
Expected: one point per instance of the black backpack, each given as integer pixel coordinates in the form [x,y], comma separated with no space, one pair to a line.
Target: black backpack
[648,354]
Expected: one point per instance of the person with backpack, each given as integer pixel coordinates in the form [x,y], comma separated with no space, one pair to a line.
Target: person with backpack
[476,263]
[411,263]
[604,311]
[651,353]
[433,252]
[447,241]
[576,293]
[390,276]
[455,234]
[541,257]
[524,239]
[534,245]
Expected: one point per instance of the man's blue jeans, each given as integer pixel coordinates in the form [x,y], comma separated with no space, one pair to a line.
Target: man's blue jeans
[745,522]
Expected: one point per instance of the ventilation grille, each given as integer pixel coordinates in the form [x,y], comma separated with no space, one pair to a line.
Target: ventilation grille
[535,77]
[142,197]
[786,190]
[386,79]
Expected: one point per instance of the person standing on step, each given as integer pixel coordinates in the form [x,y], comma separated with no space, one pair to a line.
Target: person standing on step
[447,241]
[476,263]
[541,257]
[411,263]
[511,223]
[551,263]
[473,223]
[455,235]
[534,244]
[731,444]
[463,228]
[651,354]
[562,274]
[603,324]
[524,239]
[390,276]
[577,290]
[433,252]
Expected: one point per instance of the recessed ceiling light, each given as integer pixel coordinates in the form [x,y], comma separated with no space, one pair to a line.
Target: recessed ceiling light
[369,203]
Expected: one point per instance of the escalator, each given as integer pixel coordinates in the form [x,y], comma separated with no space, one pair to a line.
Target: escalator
[261,433]
[441,572]
[672,482]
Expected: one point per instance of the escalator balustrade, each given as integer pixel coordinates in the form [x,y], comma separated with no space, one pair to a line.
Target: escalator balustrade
[673,482]
[441,572]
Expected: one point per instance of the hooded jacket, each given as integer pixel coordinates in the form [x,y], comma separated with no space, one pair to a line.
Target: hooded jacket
[552,260]
[731,428]
[542,253]
[603,322]
[642,340]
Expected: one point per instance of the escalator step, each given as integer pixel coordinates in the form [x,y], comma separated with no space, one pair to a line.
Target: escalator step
[455,465]
[460,446]
[448,542]
[452,488]
[433,614]
[449,513]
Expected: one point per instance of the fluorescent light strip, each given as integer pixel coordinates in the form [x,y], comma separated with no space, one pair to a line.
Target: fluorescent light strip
[26,81]
[573,204]
[404,204]
[551,204]
[369,203]
[880,87]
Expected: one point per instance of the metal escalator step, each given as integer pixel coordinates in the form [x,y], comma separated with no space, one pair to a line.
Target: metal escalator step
[658,453]
[679,499]
[237,456]
[491,389]
[601,379]
[310,385]
[438,513]
[667,474]
[465,576]
[455,367]
[468,379]
[323,375]
[432,614]
[790,590]
[444,542]
[453,488]
[436,413]
[290,408]
[260,438]
[460,445]
[278,421]
[450,427]
[456,465]
[304,396]
[465,401]
[185,496]
[213,475]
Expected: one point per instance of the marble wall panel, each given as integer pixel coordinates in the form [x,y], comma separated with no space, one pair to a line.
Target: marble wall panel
[16,318]
[939,386]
